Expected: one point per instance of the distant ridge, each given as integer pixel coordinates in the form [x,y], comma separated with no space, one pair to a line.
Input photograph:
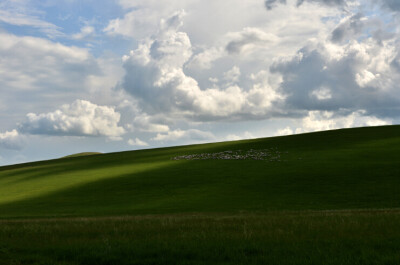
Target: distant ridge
[82,154]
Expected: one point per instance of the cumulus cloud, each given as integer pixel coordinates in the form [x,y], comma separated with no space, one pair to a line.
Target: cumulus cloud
[285,131]
[322,94]
[11,140]
[35,70]
[137,142]
[232,76]
[205,59]
[348,65]
[145,124]
[359,26]
[246,42]
[350,27]
[142,20]
[235,137]
[155,76]
[248,39]
[142,17]
[353,76]
[191,134]
[81,118]
[136,120]
[328,120]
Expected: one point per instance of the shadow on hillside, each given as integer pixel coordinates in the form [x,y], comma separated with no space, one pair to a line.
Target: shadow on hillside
[327,180]
[224,186]
[299,143]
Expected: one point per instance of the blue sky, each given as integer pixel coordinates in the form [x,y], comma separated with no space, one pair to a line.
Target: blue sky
[108,76]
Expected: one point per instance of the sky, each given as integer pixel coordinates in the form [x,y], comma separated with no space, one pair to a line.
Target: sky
[108,76]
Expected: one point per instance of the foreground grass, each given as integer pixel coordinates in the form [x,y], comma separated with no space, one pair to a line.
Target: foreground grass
[322,237]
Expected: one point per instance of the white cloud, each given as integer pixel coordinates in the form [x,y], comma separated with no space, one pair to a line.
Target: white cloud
[155,76]
[246,43]
[11,140]
[244,19]
[350,27]
[81,118]
[232,76]
[263,94]
[191,134]
[355,75]
[204,59]
[137,121]
[30,63]
[322,94]
[329,120]
[325,120]
[20,13]
[365,77]
[137,23]
[36,74]
[137,142]
[144,19]
[163,72]
[143,123]
[285,131]
[85,32]
[234,137]
[249,40]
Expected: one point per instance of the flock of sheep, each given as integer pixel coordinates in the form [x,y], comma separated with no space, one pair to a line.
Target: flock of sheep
[272,155]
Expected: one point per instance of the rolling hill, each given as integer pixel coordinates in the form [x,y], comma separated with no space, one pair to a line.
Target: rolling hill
[339,169]
[328,197]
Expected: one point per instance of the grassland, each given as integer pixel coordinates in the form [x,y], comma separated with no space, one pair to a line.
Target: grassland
[339,237]
[331,197]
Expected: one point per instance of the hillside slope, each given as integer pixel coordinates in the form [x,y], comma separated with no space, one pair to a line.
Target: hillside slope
[339,169]
[82,154]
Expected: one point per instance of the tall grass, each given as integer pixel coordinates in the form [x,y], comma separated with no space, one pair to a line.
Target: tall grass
[327,237]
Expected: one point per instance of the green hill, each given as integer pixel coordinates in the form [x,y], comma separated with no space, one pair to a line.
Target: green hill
[320,198]
[339,169]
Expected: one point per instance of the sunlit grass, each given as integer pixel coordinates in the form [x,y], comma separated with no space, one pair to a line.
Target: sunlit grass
[330,198]
[343,169]
[47,180]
